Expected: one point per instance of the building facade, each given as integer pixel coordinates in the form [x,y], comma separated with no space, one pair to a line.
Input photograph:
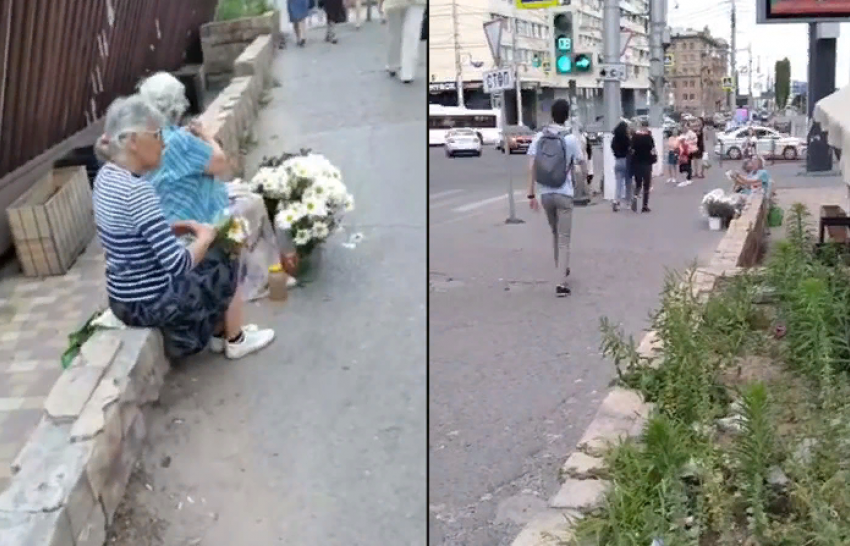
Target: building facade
[458,52]
[700,62]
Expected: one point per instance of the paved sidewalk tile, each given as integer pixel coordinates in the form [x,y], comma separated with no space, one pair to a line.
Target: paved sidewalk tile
[36,316]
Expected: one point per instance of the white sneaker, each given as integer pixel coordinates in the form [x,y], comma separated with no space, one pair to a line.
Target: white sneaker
[252,341]
[217,343]
[684,183]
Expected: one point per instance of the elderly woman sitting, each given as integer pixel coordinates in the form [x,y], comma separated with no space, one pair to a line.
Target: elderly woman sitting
[189,182]
[152,280]
[754,177]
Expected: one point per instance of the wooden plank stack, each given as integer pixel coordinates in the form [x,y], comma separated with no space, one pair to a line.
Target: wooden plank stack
[53,222]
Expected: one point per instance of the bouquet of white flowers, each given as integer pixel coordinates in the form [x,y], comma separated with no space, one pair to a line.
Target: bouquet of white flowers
[717,204]
[314,200]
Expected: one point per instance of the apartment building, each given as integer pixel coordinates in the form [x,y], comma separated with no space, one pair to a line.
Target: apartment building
[700,62]
[458,52]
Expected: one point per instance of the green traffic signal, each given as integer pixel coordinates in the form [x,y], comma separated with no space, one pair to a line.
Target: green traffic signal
[582,62]
[535,61]
[564,64]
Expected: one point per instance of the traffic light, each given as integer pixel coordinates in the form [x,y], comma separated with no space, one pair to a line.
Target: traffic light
[563,25]
[582,62]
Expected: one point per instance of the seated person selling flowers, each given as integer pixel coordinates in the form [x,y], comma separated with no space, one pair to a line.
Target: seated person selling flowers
[189,182]
[152,280]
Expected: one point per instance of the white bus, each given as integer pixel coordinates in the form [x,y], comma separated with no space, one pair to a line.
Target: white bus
[443,118]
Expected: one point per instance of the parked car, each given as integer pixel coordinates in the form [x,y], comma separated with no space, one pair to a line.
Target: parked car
[462,142]
[771,143]
[518,139]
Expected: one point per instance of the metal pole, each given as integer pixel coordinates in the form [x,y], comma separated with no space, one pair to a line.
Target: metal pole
[458,63]
[512,219]
[733,68]
[657,23]
[611,46]
[516,74]
[750,79]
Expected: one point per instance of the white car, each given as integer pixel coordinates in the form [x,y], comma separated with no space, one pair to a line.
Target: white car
[462,142]
[771,143]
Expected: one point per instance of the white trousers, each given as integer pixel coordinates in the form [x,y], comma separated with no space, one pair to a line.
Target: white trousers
[405,28]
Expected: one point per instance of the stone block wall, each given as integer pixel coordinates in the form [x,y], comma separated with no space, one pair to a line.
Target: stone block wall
[222,42]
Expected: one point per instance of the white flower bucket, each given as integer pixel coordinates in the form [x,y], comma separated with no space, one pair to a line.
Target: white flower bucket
[715,223]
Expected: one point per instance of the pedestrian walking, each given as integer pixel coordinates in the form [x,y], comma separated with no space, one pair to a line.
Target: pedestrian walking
[355,6]
[685,162]
[644,157]
[298,11]
[554,152]
[589,151]
[698,157]
[621,146]
[404,18]
[335,14]
[672,156]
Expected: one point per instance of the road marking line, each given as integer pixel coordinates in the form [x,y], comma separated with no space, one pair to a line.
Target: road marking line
[482,203]
[438,195]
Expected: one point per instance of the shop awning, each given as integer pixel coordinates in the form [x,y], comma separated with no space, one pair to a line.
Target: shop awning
[833,114]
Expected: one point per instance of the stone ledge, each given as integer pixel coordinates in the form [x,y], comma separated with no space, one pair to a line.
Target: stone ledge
[256,59]
[71,474]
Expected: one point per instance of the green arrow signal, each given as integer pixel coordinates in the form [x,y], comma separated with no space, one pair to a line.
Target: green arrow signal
[583,63]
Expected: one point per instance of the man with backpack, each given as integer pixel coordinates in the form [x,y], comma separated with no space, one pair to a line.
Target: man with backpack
[554,153]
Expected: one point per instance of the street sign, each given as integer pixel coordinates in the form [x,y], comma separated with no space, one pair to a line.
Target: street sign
[537,4]
[493,32]
[498,80]
[547,67]
[727,84]
[669,61]
[613,72]
[582,62]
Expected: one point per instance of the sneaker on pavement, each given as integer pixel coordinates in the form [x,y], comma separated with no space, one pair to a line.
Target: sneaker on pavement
[562,290]
[684,183]
[217,343]
[251,341]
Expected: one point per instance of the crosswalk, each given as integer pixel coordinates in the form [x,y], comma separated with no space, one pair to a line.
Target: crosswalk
[451,206]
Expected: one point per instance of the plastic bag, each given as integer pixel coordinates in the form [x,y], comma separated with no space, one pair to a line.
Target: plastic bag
[260,251]
[775,216]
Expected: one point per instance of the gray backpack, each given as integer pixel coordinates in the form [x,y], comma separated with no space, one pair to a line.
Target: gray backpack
[550,162]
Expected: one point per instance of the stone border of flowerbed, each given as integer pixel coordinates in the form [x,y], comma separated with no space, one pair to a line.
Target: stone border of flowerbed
[623,412]
[71,474]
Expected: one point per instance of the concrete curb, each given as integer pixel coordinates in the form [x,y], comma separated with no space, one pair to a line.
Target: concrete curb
[71,474]
[623,413]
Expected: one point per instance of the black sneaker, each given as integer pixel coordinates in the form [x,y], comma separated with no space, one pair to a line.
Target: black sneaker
[645,209]
[562,291]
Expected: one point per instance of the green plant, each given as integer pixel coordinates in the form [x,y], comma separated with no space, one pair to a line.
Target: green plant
[754,451]
[234,9]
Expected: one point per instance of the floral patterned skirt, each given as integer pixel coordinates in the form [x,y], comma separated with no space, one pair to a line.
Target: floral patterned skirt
[191,309]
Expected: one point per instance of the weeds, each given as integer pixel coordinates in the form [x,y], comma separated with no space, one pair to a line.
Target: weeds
[781,476]
[234,9]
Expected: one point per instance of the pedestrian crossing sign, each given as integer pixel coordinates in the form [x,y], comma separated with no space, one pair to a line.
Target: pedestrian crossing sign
[727,83]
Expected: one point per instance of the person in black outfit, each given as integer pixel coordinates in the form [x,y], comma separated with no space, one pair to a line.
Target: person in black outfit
[621,145]
[589,151]
[699,167]
[643,157]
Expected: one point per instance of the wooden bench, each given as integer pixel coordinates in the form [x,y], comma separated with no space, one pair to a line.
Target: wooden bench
[835,221]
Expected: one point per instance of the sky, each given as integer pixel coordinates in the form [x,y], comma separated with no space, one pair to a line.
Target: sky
[770,43]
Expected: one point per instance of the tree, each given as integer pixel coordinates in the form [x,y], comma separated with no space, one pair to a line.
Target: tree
[782,82]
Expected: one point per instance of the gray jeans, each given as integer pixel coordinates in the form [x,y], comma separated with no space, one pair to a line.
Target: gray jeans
[559,213]
[624,181]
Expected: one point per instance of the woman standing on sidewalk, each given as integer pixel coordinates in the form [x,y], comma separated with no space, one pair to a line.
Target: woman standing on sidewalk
[298,10]
[700,145]
[644,157]
[335,14]
[672,156]
[621,145]
[404,18]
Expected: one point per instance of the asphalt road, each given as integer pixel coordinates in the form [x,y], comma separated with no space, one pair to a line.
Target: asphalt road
[515,374]
[320,439]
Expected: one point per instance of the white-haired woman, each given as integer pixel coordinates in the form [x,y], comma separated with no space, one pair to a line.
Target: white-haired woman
[404,18]
[152,280]
[188,182]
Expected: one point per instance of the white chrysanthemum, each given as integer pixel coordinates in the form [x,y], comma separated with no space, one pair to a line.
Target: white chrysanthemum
[315,207]
[239,230]
[302,237]
[349,203]
[320,230]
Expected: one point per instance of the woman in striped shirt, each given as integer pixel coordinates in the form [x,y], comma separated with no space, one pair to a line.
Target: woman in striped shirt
[151,279]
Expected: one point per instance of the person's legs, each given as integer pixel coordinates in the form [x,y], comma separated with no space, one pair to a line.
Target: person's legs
[395,22]
[298,28]
[620,173]
[559,213]
[410,41]
[357,6]
[643,179]
[330,33]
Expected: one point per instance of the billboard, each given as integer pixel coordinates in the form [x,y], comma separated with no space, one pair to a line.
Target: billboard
[802,11]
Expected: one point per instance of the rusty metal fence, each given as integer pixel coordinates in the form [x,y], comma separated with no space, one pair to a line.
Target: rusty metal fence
[63,61]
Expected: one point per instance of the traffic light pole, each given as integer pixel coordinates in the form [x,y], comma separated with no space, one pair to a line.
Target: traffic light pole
[611,48]
[516,74]
[657,24]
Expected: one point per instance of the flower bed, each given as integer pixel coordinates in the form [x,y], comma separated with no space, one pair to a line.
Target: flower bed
[749,438]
